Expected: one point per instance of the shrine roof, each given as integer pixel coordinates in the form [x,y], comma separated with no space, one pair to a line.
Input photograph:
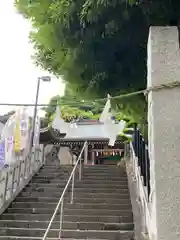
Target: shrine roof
[54,136]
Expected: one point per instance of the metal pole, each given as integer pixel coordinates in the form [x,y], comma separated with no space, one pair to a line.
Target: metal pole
[61,219]
[72,190]
[35,113]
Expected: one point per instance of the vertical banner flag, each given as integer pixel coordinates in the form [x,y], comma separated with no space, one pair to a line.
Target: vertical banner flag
[2,152]
[9,145]
[17,140]
[36,132]
[24,128]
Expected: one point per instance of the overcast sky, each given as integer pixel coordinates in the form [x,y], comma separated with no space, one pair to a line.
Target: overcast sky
[18,76]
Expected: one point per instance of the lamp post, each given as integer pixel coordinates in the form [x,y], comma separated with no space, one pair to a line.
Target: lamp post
[44,79]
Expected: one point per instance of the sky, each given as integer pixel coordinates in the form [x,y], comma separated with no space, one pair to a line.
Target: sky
[18,75]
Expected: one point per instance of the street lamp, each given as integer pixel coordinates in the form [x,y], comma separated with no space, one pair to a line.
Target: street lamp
[44,79]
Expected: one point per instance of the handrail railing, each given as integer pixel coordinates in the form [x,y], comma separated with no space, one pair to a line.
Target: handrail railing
[61,200]
[142,154]
[141,191]
[15,176]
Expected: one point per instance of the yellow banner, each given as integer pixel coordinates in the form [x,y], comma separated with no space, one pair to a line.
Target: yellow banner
[17,140]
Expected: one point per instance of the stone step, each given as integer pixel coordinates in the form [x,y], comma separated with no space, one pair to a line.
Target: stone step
[109,174]
[67,211]
[85,173]
[50,165]
[51,177]
[77,234]
[68,218]
[101,209]
[72,206]
[77,190]
[105,173]
[76,194]
[79,184]
[68,225]
[88,177]
[76,200]
[40,238]
[89,181]
[85,168]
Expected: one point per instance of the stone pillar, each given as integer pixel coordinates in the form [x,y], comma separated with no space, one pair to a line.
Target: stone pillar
[164,133]
[64,156]
[86,154]
[93,157]
[74,159]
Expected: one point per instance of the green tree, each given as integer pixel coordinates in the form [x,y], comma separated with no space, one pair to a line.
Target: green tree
[98,46]
[89,42]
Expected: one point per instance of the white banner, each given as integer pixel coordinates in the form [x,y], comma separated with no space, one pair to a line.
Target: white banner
[24,127]
[36,132]
[106,115]
[15,136]
[9,150]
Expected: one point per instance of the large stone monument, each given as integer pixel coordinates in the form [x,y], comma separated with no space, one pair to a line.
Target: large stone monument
[164,132]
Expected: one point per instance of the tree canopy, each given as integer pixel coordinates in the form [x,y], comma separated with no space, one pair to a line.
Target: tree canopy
[97,46]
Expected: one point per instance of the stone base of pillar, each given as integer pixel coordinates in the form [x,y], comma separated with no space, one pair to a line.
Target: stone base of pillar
[64,156]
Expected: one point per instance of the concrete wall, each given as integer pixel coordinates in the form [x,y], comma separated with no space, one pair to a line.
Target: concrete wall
[164,133]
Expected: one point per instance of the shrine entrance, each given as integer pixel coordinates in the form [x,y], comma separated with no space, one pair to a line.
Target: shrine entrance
[97,150]
[100,153]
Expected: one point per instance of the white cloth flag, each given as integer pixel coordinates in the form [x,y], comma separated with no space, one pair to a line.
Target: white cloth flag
[110,128]
[114,130]
[105,115]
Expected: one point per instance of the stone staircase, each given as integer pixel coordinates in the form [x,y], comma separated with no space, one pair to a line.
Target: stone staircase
[101,209]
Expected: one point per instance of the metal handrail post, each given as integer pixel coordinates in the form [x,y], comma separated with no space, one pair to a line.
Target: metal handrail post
[61,218]
[72,189]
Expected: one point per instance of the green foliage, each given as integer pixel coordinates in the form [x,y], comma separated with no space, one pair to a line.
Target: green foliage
[98,46]
[69,113]
[71,108]
[89,42]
